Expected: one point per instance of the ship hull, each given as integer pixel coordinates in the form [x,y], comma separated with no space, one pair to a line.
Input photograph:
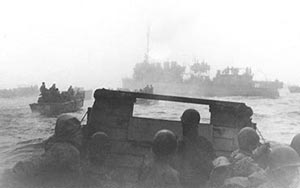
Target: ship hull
[204,90]
[52,109]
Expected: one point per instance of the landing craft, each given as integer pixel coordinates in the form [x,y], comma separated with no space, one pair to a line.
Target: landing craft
[62,105]
[112,113]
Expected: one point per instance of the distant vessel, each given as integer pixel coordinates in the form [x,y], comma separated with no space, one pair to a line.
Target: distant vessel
[65,104]
[148,90]
[19,92]
[294,89]
[168,79]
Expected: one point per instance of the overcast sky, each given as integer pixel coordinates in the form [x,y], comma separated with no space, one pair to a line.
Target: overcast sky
[96,43]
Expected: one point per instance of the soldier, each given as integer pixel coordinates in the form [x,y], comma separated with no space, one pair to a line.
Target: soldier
[44,92]
[295,144]
[98,148]
[160,174]
[195,153]
[43,88]
[251,148]
[96,173]
[60,163]
[245,171]
[71,91]
[283,170]
[222,170]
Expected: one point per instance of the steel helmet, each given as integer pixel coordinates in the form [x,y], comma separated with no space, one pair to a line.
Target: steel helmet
[221,162]
[100,140]
[99,147]
[190,116]
[283,156]
[164,143]
[247,137]
[66,125]
[295,144]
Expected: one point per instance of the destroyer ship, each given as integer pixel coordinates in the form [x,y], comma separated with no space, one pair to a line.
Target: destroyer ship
[169,79]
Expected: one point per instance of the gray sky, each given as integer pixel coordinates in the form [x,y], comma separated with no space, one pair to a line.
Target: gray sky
[95,43]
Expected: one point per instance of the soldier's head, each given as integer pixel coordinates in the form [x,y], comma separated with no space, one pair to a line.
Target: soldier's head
[68,129]
[164,144]
[295,144]
[221,171]
[283,166]
[248,139]
[99,147]
[190,120]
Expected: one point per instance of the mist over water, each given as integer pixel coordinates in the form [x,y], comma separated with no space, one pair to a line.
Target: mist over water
[21,131]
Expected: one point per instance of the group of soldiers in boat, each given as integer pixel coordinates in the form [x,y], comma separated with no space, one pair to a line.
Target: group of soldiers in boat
[71,161]
[53,95]
[147,89]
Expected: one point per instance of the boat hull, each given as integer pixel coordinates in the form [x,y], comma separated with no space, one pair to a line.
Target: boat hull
[205,90]
[52,109]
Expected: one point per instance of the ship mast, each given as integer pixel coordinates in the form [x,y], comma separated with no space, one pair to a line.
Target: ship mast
[147,48]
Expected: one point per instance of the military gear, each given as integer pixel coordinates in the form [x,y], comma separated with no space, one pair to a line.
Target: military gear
[164,143]
[190,116]
[283,156]
[221,162]
[248,139]
[221,171]
[295,144]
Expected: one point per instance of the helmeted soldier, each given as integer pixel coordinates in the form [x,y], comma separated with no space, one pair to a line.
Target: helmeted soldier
[99,148]
[43,88]
[295,144]
[195,153]
[60,163]
[221,171]
[96,173]
[43,93]
[250,150]
[159,173]
[283,166]
[71,91]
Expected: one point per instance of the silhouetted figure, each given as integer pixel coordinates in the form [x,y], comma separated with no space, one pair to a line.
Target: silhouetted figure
[195,152]
[43,88]
[71,91]
[44,93]
[59,166]
[151,89]
[159,173]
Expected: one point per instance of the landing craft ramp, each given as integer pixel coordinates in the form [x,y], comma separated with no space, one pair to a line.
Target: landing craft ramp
[112,112]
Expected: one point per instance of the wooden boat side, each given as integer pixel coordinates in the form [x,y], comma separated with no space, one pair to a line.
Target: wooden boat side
[50,109]
[112,112]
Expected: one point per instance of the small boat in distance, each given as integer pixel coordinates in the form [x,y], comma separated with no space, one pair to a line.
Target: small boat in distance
[294,89]
[52,102]
[149,90]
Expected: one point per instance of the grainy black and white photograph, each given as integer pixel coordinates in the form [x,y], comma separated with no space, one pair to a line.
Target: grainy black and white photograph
[149,94]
